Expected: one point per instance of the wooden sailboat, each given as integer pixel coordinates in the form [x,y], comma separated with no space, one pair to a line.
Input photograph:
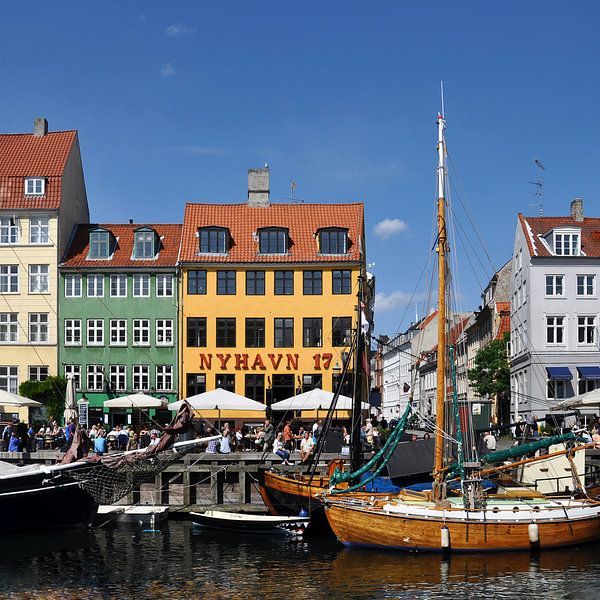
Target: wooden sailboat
[470,520]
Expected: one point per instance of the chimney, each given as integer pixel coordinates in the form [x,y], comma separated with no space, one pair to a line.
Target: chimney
[131,221]
[258,187]
[577,210]
[40,127]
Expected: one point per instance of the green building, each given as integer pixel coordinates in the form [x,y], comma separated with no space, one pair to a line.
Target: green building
[118,319]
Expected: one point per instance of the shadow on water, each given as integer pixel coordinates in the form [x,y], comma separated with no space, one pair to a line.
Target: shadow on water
[178,561]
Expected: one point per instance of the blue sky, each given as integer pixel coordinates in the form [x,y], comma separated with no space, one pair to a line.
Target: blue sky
[174,101]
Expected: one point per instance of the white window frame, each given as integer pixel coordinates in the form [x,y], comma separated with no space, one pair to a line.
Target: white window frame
[555,328]
[141,378]
[118,283]
[560,389]
[164,284]
[9,378]
[73,285]
[10,231]
[585,277]
[141,330]
[164,332]
[141,285]
[586,325]
[570,240]
[34,186]
[95,286]
[118,378]
[74,370]
[39,327]
[95,374]
[39,231]
[9,279]
[554,284]
[39,279]
[142,239]
[164,378]
[99,245]
[95,332]
[118,330]
[31,370]
[72,332]
[9,328]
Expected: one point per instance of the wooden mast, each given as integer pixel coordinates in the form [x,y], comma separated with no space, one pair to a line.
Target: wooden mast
[441,347]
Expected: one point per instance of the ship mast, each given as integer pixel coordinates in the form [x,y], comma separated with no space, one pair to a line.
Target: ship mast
[441,347]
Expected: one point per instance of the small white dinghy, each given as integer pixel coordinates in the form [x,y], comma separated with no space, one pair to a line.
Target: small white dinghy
[241,522]
[144,514]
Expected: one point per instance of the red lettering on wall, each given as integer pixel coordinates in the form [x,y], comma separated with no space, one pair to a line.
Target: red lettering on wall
[292,361]
[327,360]
[223,359]
[317,359]
[274,362]
[205,361]
[258,363]
[241,362]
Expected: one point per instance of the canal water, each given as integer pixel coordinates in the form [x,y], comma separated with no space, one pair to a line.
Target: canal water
[178,561]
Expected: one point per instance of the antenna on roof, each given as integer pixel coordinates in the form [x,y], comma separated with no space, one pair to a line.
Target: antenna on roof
[539,193]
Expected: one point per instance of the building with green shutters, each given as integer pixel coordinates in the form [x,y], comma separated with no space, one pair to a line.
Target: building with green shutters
[118,294]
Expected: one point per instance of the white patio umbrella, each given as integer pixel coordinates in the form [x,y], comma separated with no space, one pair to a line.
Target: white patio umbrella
[220,403]
[316,399]
[135,401]
[70,411]
[10,399]
[588,399]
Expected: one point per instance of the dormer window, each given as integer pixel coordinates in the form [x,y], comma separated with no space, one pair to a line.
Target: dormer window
[144,244]
[99,244]
[333,241]
[213,240]
[567,243]
[273,241]
[35,186]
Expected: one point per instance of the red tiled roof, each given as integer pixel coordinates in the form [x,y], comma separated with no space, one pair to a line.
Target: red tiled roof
[167,257]
[26,155]
[536,226]
[302,221]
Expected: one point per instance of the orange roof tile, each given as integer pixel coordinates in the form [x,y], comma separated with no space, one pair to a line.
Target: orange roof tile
[78,250]
[302,221]
[504,326]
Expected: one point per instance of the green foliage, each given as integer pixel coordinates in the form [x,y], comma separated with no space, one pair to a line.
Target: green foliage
[50,392]
[491,374]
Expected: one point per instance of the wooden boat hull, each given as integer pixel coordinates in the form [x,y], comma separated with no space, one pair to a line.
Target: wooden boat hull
[566,525]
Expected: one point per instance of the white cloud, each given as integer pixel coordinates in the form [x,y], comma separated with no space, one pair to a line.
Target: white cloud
[168,70]
[395,301]
[176,29]
[389,227]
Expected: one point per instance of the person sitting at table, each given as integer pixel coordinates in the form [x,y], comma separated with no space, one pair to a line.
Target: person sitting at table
[100,443]
[307,446]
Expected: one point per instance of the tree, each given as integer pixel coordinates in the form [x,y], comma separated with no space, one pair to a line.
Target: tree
[491,373]
[50,392]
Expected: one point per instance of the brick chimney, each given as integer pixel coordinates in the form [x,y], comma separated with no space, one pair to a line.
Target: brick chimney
[577,210]
[40,127]
[258,187]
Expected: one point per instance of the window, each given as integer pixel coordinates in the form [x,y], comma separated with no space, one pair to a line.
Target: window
[141,378]
[144,244]
[333,241]
[9,328]
[164,286]
[284,283]
[141,285]
[555,330]
[586,385]
[118,286]
[283,387]
[39,230]
[38,327]
[75,371]
[35,186]
[213,240]
[284,333]
[226,282]
[195,383]
[255,283]
[255,387]
[226,333]
[556,389]
[118,378]
[95,378]
[272,241]
[95,332]
[347,384]
[586,285]
[566,244]
[554,285]
[9,230]
[9,379]
[73,286]
[310,382]
[255,333]
[9,279]
[342,282]
[72,332]
[586,330]
[225,381]
[95,286]
[312,332]
[118,332]
[99,245]
[196,282]
[341,331]
[196,332]
[141,332]
[38,279]
[164,378]
[164,332]
[313,283]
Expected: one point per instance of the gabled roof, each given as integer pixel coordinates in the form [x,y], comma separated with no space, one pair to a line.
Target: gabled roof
[302,220]
[503,310]
[533,227]
[77,253]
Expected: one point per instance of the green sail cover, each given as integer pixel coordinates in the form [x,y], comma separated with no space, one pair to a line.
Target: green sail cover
[514,451]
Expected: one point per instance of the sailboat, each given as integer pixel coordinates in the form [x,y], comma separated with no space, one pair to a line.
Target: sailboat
[467,519]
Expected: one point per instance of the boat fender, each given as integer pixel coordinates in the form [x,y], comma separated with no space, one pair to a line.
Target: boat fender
[303,512]
[445,537]
[534,533]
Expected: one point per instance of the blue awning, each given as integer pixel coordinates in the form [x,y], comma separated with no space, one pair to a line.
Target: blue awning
[589,372]
[559,373]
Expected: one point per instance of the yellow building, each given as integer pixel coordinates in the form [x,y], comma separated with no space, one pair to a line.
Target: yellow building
[42,196]
[268,294]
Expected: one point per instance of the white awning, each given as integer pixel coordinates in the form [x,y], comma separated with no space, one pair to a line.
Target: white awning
[135,401]
[316,399]
[220,399]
